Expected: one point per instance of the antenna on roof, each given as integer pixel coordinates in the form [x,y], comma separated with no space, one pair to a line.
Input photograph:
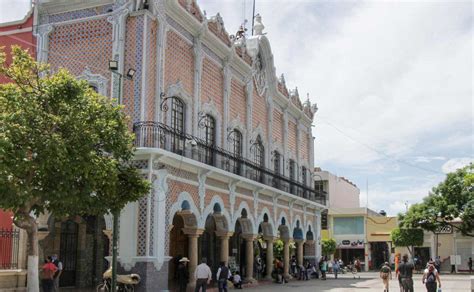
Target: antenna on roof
[253,15]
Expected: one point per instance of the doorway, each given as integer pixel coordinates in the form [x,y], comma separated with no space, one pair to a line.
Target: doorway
[68,253]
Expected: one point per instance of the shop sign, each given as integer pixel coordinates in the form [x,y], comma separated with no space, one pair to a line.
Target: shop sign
[444,229]
[350,243]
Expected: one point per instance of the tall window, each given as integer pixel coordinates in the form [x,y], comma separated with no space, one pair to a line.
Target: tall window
[209,126]
[276,168]
[259,158]
[291,170]
[303,175]
[177,123]
[236,144]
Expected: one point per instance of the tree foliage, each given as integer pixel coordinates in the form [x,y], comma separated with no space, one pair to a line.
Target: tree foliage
[63,147]
[328,246]
[451,199]
[407,237]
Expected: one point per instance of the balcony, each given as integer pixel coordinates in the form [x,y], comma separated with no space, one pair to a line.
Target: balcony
[157,135]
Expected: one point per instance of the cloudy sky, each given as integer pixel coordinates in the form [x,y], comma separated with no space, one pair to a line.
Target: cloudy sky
[392,80]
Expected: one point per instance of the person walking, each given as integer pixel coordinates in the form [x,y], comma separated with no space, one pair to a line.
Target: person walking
[183,274]
[405,274]
[323,267]
[59,265]
[47,277]
[469,264]
[437,264]
[203,276]
[431,278]
[386,276]
[335,268]
[223,273]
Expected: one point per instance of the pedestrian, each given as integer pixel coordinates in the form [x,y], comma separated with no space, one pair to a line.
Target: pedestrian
[293,265]
[386,276]
[437,264]
[302,272]
[431,278]
[223,273]
[47,277]
[309,270]
[183,274]
[237,281]
[323,267]
[203,276]
[59,266]
[405,272]
[335,268]
[469,264]
[357,264]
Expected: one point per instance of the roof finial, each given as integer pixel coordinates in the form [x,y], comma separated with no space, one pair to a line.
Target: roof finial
[258,26]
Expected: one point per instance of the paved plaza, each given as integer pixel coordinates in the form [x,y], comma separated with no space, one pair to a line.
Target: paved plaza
[367,282]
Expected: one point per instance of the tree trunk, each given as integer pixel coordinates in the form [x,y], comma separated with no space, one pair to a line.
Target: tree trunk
[28,223]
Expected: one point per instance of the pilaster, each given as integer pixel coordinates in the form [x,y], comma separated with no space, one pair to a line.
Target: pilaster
[249,95]
[198,58]
[42,42]
[119,22]
[285,139]
[226,96]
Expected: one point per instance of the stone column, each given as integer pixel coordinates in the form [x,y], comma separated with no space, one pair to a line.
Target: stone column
[193,235]
[286,259]
[224,237]
[299,251]
[269,261]
[249,257]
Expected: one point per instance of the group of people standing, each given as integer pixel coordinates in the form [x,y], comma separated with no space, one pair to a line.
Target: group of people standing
[203,276]
[404,274]
[50,273]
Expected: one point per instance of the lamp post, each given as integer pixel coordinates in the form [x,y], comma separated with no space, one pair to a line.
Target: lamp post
[113,67]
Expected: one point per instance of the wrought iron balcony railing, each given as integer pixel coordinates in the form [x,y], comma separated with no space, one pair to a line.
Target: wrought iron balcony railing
[157,135]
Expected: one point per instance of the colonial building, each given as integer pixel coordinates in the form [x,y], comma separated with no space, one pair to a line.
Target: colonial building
[227,146]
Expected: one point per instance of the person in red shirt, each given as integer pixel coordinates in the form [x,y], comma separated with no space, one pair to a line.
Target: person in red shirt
[48,271]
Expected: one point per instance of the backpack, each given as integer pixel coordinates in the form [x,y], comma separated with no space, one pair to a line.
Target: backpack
[431,278]
[224,273]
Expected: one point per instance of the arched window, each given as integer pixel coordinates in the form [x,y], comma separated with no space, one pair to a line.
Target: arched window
[177,123]
[276,168]
[236,146]
[259,158]
[209,127]
[94,87]
[291,171]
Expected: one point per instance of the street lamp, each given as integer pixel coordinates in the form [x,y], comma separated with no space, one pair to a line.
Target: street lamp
[113,67]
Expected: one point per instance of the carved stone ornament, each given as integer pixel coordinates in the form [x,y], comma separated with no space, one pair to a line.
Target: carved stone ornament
[259,74]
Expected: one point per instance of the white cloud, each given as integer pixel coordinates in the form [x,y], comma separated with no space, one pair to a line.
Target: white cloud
[456,163]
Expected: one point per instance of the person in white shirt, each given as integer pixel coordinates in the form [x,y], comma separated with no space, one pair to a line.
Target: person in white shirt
[203,276]
[431,278]
[237,281]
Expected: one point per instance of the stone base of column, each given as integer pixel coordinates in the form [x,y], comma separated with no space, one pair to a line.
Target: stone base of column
[249,280]
[151,278]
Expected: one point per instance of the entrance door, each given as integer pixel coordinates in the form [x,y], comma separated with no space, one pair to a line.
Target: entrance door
[380,254]
[68,253]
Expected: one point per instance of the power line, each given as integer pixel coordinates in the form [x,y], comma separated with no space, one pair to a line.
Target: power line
[387,156]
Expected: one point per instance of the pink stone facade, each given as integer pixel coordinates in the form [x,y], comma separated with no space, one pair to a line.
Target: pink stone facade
[178,53]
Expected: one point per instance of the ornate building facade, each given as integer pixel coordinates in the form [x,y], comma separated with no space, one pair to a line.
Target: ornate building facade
[227,146]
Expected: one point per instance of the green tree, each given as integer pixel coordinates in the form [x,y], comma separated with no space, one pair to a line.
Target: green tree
[451,199]
[328,246]
[409,238]
[63,149]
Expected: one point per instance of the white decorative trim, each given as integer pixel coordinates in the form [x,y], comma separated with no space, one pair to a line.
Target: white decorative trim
[250,216]
[202,176]
[238,125]
[295,219]
[176,207]
[177,90]
[42,42]
[15,31]
[283,215]
[210,108]
[160,187]
[264,211]
[210,209]
[118,21]
[198,60]
[96,80]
